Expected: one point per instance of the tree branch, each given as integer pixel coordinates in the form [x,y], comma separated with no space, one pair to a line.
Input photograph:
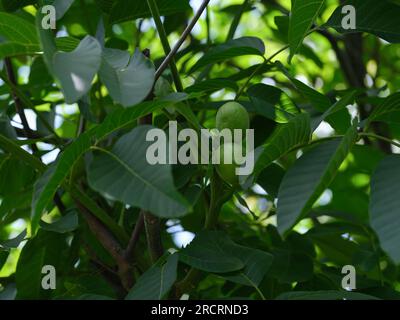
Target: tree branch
[18,105]
[134,237]
[181,40]
[110,244]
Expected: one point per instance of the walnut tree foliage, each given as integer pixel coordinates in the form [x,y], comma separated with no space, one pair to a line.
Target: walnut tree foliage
[77,194]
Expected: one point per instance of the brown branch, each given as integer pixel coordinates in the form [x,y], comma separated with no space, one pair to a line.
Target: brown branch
[110,244]
[153,234]
[134,238]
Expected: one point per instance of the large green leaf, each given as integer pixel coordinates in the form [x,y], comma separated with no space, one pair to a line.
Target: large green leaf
[128,79]
[384,205]
[76,70]
[309,177]
[155,283]
[232,48]
[377,17]
[124,174]
[272,103]
[122,10]
[302,17]
[19,36]
[17,30]
[286,137]
[69,157]
[210,251]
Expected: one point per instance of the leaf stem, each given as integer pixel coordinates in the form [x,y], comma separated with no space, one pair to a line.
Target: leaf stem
[376,136]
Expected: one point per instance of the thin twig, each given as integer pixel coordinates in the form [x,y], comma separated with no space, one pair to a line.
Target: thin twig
[266,61]
[181,40]
[376,136]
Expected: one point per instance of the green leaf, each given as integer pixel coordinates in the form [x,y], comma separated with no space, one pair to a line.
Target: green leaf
[256,263]
[309,177]
[47,248]
[376,17]
[19,35]
[13,243]
[17,30]
[290,266]
[76,70]
[386,109]
[128,80]
[384,205]
[124,174]
[233,48]
[324,295]
[155,283]
[286,137]
[270,179]
[12,49]
[67,43]
[69,157]
[209,251]
[272,103]
[65,224]
[337,115]
[303,15]
[123,10]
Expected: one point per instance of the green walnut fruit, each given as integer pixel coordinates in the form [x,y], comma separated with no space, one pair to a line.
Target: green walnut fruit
[232,115]
[227,169]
